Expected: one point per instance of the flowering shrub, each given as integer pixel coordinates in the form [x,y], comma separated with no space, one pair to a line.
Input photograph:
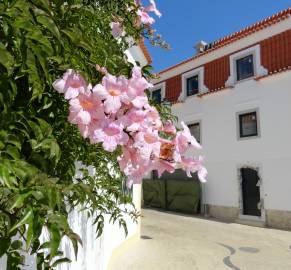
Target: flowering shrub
[116,113]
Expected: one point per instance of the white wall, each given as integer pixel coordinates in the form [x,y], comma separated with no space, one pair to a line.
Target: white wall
[135,54]
[224,153]
[95,253]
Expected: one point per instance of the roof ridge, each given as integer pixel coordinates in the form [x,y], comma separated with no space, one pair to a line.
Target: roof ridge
[249,27]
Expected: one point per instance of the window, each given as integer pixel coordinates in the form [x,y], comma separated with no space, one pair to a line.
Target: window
[192,85]
[245,67]
[195,131]
[248,125]
[245,64]
[157,95]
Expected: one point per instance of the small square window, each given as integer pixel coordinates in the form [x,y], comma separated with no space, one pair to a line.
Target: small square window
[192,85]
[245,67]
[195,131]
[248,125]
[157,95]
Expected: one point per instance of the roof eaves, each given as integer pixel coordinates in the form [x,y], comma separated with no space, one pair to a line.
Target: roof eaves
[145,51]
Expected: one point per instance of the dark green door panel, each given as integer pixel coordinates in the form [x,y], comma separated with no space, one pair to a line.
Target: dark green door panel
[175,195]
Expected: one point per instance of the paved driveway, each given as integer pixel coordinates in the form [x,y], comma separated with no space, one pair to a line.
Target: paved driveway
[176,242]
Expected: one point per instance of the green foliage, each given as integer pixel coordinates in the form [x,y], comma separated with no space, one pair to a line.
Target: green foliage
[39,40]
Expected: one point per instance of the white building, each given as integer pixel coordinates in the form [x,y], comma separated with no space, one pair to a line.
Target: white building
[235,94]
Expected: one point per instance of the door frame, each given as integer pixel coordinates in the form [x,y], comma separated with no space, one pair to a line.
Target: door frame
[258,168]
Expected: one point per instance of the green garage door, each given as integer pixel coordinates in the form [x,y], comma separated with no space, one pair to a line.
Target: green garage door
[173,194]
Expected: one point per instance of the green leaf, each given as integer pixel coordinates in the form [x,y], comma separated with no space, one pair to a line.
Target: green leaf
[5,177]
[45,127]
[30,232]
[6,59]
[15,141]
[49,24]
[38,195]
[23,221]
[12,151]
[55,239]
[36,130]
[5,243]
[4,174]
[72,35]
[41,39]
[40,55]
[20,199]
[75,239]
[59,261]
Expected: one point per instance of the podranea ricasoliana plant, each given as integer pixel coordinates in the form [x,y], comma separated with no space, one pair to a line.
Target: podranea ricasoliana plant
[116,113]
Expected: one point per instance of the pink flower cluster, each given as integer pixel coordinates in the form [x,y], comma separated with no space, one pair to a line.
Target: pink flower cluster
[116,113]
[143,12]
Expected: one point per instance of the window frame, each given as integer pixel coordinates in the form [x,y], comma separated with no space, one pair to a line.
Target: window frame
[199,122]
[187,90]
[201,87]
[158,89]
[239,126]
[259,70]
[236,67]
[158,86]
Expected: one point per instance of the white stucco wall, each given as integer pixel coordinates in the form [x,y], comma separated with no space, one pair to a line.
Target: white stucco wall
[135,54]
[224,152]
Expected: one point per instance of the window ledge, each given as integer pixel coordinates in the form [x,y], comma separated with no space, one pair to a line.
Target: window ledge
[215,91]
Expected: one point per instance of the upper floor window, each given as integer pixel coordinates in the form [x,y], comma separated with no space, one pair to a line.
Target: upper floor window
[193,85]
[245,67]
[248,124]
[195,131]
[157,95]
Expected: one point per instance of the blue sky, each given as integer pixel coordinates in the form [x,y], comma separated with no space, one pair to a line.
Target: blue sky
[184,22]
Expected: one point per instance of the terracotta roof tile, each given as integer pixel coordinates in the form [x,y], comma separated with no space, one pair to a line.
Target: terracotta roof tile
[145,51]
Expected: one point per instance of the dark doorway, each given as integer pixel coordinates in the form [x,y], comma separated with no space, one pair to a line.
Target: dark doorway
[173,192]
[250,192]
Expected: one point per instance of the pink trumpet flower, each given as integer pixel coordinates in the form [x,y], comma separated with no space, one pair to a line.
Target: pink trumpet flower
[116,29]
[184,138]
[111,135]
[85,108]
[145,18]
[191,165]
[72,84]
[153,8]
[113,92]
